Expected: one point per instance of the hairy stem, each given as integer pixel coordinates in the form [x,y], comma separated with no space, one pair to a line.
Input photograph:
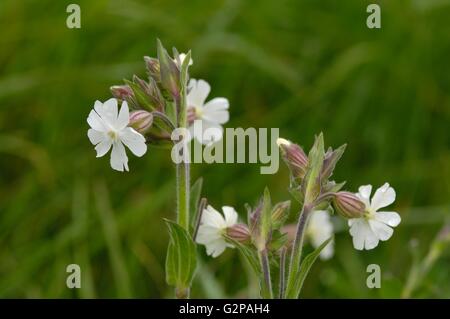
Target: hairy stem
[296,253]
[266,284]
[282,285]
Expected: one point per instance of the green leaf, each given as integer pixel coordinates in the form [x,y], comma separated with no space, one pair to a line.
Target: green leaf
[304,270]
[266,220]
[311,183]
[141,97]
[249,254]
[181,257]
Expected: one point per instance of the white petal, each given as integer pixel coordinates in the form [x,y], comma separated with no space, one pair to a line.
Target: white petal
[384,196]
[96,122]
[328,251]
[213,218]
[216,248]
[95,136]
[230,214]
[207,234]
[211,133]
[119,159]
[198,93]
[381,230]
[109,112]
[364,194]
[103,147]
[216,110]
[124,116]
[389,218]
[134,141]
[363,236]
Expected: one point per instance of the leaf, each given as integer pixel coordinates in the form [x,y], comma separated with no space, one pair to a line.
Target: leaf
[311,185]
[266,220]
[304,270]
[181,259]
[249,255]
[141,97]
[171,112]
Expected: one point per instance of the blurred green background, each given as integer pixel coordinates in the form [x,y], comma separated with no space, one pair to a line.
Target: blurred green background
[302,66]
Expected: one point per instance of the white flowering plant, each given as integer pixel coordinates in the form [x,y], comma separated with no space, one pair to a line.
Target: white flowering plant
[148,112]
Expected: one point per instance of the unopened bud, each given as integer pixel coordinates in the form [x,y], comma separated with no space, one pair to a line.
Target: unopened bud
[141,121]
[153,68]
[239,232]
[348,205]
[170,74]
[294,156]
[121,92]
[280,212]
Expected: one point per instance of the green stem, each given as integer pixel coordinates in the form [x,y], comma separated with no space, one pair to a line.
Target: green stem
[296,253]
[266,284]
[183,195]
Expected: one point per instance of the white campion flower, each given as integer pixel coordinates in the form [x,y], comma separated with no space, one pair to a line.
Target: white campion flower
[319,230]
[211,114]
[213,227]
[110,128]
[375,225]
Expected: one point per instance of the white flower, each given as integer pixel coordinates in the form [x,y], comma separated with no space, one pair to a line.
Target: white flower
[374,226]
[319,230]
[212,114]
[109,128]
[212,228]
[182,56]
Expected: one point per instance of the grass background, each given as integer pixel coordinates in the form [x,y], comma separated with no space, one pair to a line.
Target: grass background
[303,66]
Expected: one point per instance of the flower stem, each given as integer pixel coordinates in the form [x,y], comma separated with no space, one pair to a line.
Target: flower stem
[282,273]
[266,284]
[183,195]
[296,253]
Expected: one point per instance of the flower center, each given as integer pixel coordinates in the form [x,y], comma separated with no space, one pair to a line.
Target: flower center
[198,112]
[113,135]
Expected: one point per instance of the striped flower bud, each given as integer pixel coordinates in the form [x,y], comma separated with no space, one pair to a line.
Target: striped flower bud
[294,157]
[141,121]
[239,232]
[348,205]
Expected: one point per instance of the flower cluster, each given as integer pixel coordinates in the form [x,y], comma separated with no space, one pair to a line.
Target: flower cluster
[151,109]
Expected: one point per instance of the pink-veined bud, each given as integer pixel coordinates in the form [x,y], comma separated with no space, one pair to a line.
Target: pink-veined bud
[141,121]
[294,156]
[239,232]
[121,92]
[348,205]
[153,68]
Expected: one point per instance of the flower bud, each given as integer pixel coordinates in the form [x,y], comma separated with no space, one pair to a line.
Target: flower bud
[348,205]
[280,212]
[141,121]
[153,68]
[239,232]
[170,74]
[294,157]
[121,92]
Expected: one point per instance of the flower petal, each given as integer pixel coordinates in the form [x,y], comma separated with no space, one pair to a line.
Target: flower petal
[95,136]
[134,141]
[103,147]
[389,218]
[216,110]
[384,196]
[212,217]
[381,230]
[124,117]
[109,112]
[198,93]
[230,214]
[364,194]
[119,159]
[96,122]
[363,236]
